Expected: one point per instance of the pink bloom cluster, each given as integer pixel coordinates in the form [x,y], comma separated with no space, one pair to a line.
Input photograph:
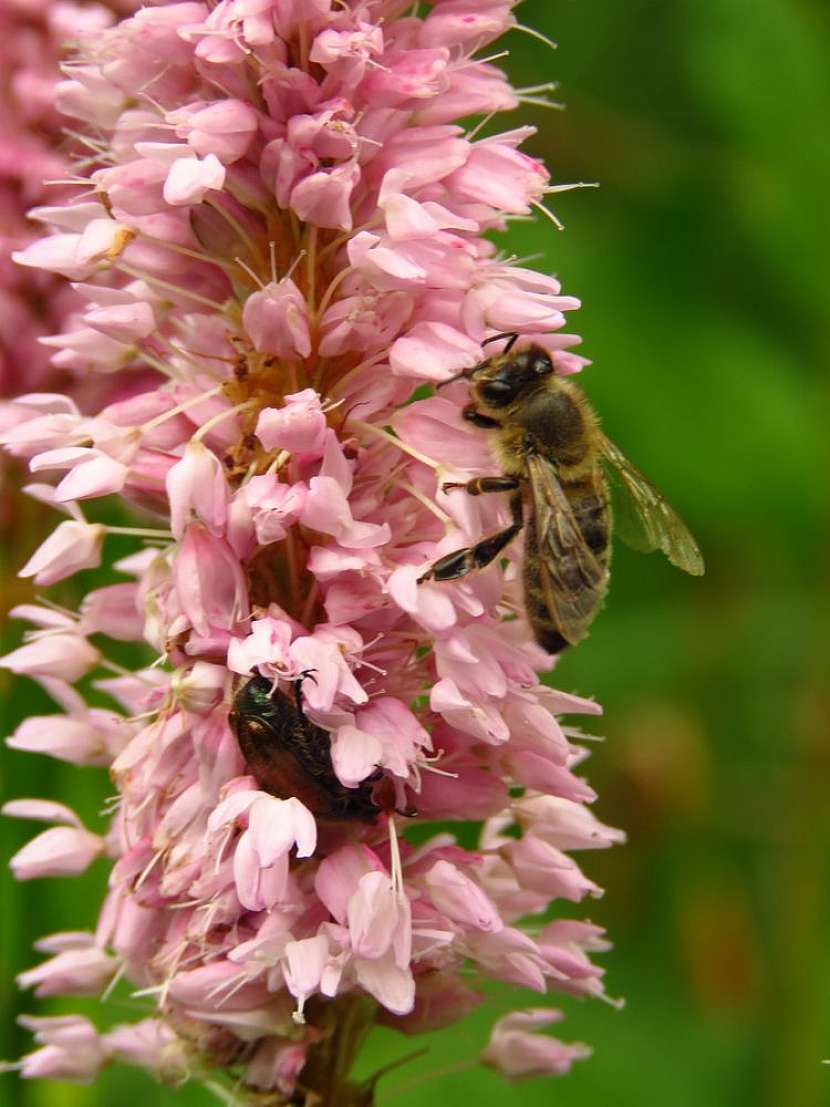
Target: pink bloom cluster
[32,303]
[287,226]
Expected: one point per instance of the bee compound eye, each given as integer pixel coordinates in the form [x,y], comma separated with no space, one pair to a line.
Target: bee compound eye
[542,364]
[497,392]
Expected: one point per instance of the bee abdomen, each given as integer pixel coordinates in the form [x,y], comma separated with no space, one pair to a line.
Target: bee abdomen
[579,593]
[594,521]
[544,628]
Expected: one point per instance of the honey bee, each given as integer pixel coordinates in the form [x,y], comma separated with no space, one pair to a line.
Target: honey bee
[556,463]
[290,756]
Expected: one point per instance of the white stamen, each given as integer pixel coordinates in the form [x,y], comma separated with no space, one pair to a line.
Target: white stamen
[548,215]
[568,187]
[429,504]
[294,265]
[479,126]
[535,34]
[155,363]
[541,102]
[530,90]
[274,467]
[244,265]
[110,988]
[407,449]
[151,424]
[179,290]
[211,423]
[484,61]
[395,857]
[148,868]
[142,532]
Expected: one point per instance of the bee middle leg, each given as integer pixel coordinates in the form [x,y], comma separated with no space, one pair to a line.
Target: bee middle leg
[458,564]
[478,485]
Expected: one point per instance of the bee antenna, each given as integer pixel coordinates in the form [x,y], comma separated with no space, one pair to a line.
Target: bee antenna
[449,380]
[513,337]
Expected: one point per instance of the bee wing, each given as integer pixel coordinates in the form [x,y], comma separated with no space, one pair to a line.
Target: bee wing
[653,524]
[573,580]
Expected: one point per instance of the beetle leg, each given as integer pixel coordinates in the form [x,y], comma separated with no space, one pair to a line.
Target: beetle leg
[306,674]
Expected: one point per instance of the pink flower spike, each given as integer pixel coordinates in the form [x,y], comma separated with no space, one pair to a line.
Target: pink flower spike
[72,546]
[284,237]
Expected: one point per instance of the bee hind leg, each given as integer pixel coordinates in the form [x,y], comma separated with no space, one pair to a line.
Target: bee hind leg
[458,564]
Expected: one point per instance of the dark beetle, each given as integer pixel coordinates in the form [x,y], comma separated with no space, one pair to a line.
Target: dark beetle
[291,756]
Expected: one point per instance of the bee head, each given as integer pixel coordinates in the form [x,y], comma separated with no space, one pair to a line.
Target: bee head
[503,379]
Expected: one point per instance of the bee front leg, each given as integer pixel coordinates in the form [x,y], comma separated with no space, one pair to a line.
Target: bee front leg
[458,564]
[470,415]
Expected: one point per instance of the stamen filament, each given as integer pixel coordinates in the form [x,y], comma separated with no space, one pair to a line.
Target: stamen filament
[179,290]
[157,420]
[401,445]
[211,423]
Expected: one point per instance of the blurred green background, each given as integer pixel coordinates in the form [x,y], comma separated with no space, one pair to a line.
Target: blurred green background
[704,263]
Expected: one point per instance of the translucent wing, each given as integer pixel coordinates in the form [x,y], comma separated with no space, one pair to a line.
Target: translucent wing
[571,580]
[653,524]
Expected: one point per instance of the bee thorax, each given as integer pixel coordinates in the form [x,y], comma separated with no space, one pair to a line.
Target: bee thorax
[557,423]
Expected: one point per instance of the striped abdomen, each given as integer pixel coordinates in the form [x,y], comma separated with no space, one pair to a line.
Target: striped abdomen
[565,581]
